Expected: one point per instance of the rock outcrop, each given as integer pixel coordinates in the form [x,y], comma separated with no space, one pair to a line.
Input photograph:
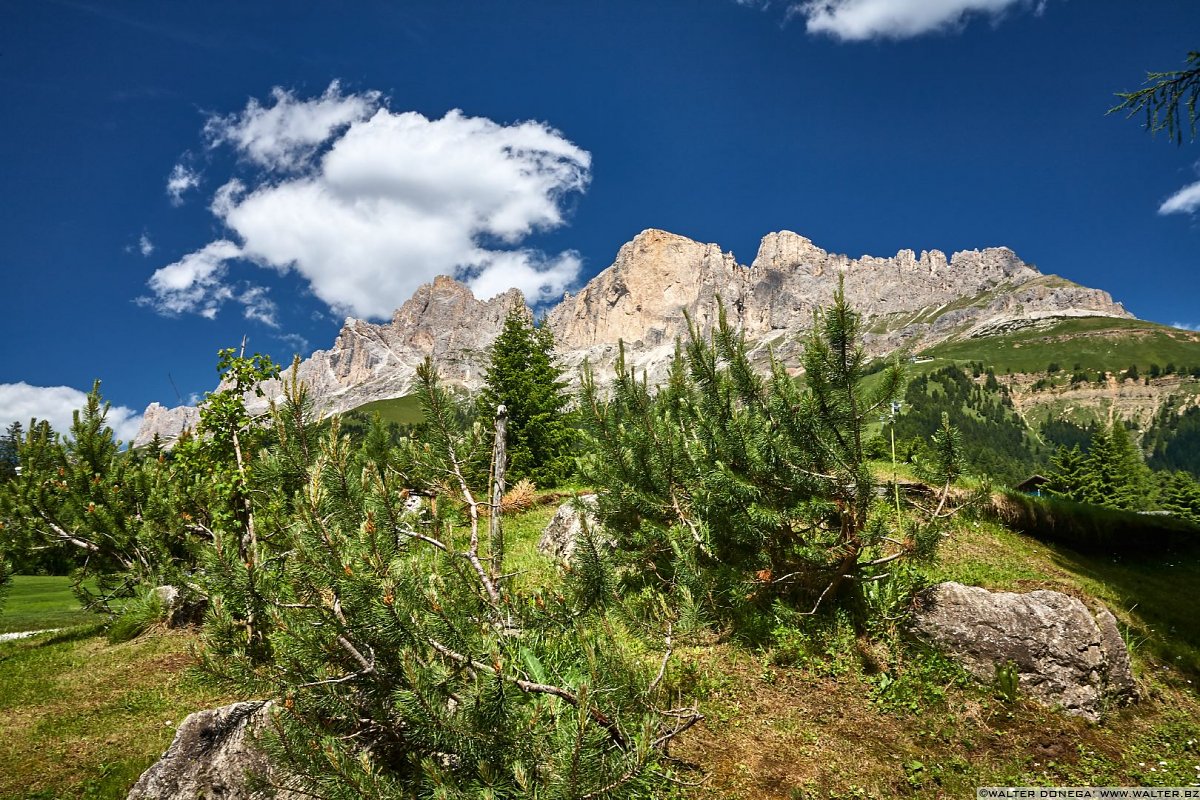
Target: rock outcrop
[181,607]
[215,756]
[561,534]
[1064,656]
[906,300]
[368,362]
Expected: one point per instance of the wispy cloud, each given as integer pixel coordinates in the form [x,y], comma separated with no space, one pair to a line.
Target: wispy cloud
[862,20]
[1187,326]
[195,283]
[1184,201]
[376,202]
[20,402]
[295,341]
[181,180]
[256,305]
[145,246]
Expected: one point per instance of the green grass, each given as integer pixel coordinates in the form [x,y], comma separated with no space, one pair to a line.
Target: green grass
[80,718]
[522,532]
[400,410]
[1095,343]
[38,602]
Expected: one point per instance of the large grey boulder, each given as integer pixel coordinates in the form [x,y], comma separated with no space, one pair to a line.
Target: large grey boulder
[214,756]
[561,534]
[1064,656]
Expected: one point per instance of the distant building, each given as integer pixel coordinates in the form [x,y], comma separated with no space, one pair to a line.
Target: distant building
[1032,485]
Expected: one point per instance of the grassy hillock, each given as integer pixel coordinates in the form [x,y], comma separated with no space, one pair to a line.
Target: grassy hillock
[80,718]
[815,712]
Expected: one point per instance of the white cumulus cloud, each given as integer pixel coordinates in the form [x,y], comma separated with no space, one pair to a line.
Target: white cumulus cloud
[377,202]
[181,180]
[1184,201]
[860,20]
[20,402]
[284,135]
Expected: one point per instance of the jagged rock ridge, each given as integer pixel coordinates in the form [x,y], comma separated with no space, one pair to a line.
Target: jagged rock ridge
[906,300]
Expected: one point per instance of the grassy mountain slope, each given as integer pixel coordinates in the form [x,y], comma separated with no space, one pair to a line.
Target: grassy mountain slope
[400,410]
[1094,343]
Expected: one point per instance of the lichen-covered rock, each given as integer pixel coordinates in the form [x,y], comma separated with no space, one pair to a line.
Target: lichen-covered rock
[1063,655]
[214,756]
[561,534]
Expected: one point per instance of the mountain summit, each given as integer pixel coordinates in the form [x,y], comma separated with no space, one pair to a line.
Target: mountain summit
[907,301]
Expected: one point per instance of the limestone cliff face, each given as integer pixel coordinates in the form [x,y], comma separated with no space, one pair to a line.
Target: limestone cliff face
[906,301]
[642,297]
[791,276]
[166,423]
[368,362]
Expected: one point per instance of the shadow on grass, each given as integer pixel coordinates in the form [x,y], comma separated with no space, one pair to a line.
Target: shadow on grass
[1156,594]
[15,647]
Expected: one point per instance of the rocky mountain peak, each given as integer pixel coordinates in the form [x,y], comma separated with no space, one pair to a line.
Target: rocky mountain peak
[785,250]
[642,296]
[657,278]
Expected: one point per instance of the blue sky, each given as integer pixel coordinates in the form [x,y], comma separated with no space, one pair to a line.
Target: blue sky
[177,175]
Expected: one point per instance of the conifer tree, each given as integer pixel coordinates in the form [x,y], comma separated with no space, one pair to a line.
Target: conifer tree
[115,513]
[1068,476]
[1110,474]
[405,666]
[724,486]
[523,377]
[1179,494]
[10,446]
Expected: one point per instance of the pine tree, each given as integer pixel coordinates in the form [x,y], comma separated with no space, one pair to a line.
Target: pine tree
[1179,493]
[1110,474]
[523,377]
[10,448]
[115,513]
[727,487]
[405,666]
[1068,474]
